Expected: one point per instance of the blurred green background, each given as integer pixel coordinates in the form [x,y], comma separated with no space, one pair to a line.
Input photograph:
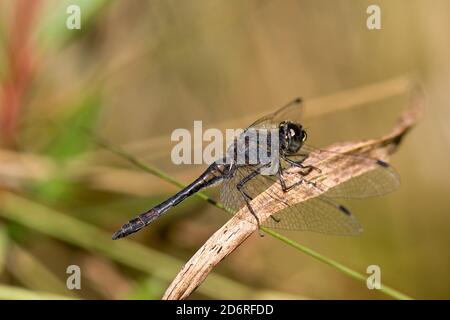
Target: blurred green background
[137,70]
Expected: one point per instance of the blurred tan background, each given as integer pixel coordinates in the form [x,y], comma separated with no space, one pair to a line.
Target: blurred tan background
[137,70]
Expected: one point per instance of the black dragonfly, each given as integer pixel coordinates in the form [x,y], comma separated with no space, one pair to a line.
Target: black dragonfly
[243,178]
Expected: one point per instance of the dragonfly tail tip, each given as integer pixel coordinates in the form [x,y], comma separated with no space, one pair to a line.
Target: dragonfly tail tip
[118,234]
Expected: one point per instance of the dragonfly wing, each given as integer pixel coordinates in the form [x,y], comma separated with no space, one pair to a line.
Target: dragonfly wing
[381,180]
[318,214]
[291,111]
[377,182]
[231,197]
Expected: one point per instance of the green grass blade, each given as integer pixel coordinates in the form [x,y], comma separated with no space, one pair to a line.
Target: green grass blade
[4,247]
[15,293]
[346,270]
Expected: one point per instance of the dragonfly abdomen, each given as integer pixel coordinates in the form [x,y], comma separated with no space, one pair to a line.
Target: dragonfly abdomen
[213,175]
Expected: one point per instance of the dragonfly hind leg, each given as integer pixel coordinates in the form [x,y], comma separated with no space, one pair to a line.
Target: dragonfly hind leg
[276,219]
[247,198]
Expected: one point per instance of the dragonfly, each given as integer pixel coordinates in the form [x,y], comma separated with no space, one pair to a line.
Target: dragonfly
[244,178]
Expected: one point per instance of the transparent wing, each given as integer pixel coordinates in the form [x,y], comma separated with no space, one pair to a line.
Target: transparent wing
[230,195]
[232,198]
[379,181]
[291,111]
[318,215]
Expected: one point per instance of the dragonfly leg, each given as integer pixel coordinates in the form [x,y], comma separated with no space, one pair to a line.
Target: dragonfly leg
[284,187]
[247,198]
[282,182]
[299,164]
[275,218]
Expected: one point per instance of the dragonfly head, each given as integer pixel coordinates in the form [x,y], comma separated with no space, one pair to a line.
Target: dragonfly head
[292,137]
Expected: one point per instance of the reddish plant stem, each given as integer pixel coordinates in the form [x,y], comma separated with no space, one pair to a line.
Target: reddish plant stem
[20,63]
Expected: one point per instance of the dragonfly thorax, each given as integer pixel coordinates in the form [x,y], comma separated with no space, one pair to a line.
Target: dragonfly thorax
[292,137]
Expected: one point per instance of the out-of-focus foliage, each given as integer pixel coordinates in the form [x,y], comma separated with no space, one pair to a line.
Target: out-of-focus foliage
[137,70]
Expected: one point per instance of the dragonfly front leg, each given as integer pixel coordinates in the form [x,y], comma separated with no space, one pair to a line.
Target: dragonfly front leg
[299,164]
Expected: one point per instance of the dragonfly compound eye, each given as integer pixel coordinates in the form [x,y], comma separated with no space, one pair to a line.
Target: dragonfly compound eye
[295,137]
